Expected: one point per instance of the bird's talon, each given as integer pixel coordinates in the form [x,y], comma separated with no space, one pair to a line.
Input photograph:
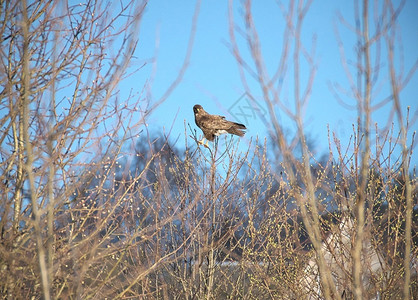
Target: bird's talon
[206,145]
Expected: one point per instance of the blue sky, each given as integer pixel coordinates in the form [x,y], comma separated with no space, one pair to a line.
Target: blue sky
[213,79]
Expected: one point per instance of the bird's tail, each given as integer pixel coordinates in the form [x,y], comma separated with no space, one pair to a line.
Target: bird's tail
[237,129]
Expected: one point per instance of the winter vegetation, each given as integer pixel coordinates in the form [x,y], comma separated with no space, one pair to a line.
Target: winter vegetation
[95,205]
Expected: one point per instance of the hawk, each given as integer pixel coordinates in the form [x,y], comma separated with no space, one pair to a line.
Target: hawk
[212,125]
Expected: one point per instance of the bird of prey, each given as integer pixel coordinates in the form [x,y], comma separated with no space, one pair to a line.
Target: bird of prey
[213,125]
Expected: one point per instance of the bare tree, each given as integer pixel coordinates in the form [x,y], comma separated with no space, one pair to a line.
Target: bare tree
[353,183]
[62,136]
[363,83]
[271,87]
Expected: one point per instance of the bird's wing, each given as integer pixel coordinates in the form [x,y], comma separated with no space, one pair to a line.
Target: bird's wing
[216,122]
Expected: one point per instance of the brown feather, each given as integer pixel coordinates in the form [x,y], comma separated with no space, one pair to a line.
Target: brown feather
[213,125]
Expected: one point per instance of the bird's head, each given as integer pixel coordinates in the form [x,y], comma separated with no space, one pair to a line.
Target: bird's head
[197,109]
